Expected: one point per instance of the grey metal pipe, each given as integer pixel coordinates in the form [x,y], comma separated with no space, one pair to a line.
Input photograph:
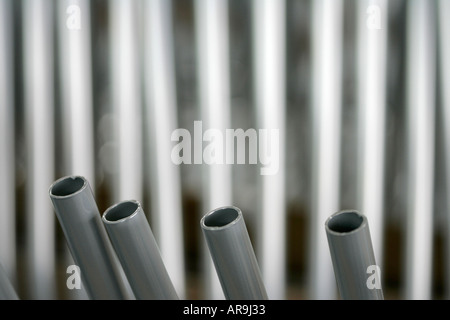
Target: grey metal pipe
[357,274]
[80,220]
[232,253]
[7,291]
[136,247]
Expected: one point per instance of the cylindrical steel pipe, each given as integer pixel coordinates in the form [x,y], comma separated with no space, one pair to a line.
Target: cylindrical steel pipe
[136,247]
[7,291]
[86,237]
[357,274]
[229,244]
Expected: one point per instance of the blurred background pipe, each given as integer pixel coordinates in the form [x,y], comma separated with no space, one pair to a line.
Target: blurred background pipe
[138,251]
[353,258]
[326,135]
[161,104]
[39,125]
[7,137]
[269,93]
[211,30]
[420,103]
[232,253]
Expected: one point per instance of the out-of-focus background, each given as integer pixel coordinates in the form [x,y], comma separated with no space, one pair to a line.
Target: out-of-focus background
[358,89]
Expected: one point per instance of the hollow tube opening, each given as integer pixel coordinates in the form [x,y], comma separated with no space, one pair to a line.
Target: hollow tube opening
[121,211]
[221,217]
[346,221]
[67,186]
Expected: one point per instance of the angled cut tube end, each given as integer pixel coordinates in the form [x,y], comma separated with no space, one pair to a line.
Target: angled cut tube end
[80,220]
[232,253]
[357,274]
[138,252]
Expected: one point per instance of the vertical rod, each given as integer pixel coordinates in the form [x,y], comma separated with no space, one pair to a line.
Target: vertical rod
[76,81]
[269,76]
[214,95]
[76,87]
[421,130]
[126,99]
[372,41]
[39,100]
[7,167]
[326,111]
[444,63]
[162,120]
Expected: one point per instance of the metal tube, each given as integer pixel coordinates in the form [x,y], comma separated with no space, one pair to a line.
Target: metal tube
[444,63]
[214,98]
[326,110]
[232,253]
[7,291]
[39,125]
[80,220]
[138,251]
[420,103]
[353,257]
[269,76]
[7,152]
[162,120]
[76,82]
[372,43]
[126,99]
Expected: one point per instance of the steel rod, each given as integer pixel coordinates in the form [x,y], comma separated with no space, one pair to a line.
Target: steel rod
[126,99]
[231,250]
[162,120]
[420,102]
[211,26]
[138,251]
[39,134]
[353,258]
[269,77]
[372,42]
[326,135]
[80,220]
[7,136]
[444,63]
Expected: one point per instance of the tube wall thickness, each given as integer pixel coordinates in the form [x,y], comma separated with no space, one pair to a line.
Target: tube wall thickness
[80,220]
[229,244]
[357,274]
[138,252]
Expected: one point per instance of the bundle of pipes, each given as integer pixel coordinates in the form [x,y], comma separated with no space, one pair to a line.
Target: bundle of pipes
[125,231]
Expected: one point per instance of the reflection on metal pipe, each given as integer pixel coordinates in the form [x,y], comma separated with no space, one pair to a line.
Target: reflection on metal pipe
[357,274]
[444,66]
[269,76]
[7,291]
[162,120]
[421,130]
[76,86]
[372,42]
[214,97]
[232,252]
[7,181]
[76,81]
[326,110]
[39,103]
[138,251]
[80,220]
[126,101]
